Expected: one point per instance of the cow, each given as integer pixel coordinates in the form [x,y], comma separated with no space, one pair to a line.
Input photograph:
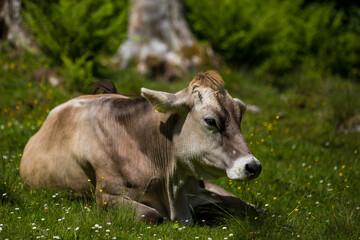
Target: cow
[155,152]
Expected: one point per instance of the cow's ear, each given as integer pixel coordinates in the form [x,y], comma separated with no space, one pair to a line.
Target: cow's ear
[241,104]
[166,102]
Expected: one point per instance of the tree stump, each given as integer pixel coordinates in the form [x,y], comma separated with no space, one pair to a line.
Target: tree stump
[10,23]
[160,41]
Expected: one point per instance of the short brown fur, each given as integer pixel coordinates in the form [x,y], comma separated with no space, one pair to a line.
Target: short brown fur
[210,79]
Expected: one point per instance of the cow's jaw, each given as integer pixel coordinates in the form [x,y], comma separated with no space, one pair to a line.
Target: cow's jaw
[203,171]
[244,169]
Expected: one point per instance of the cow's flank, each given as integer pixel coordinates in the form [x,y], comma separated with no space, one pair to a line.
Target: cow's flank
[154,152]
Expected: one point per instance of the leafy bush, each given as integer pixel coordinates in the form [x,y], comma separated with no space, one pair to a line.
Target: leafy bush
[77,32]
[279,36]
[78,72]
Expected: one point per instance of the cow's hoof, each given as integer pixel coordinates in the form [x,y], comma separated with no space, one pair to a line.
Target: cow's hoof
[152,217]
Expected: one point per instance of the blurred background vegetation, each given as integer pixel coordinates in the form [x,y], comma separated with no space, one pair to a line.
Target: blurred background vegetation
[281,36]
[77,35]
[272,37]
[311,46]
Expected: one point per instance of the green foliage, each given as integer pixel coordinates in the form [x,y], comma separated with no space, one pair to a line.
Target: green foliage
[77,32]
[273,37]
[279,36]
[78,72]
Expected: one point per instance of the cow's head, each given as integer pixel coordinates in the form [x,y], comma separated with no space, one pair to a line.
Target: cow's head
[207,138]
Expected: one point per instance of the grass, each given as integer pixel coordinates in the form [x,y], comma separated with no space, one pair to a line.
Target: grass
[309,185]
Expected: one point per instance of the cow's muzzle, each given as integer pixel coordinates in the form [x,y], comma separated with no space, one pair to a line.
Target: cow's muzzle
[244,169]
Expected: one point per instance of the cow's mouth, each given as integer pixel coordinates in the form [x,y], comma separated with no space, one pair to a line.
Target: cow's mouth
[244,169]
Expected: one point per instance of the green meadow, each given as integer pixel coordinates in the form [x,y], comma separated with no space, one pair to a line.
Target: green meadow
[310,154]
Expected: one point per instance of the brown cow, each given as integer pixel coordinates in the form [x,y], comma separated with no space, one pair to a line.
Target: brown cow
[153,152]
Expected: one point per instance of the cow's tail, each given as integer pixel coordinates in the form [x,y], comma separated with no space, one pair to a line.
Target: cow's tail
[102,86]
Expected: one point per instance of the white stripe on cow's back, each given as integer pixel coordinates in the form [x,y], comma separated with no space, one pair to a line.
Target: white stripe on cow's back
[77,102]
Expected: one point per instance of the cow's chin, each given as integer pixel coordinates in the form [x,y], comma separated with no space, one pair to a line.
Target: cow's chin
[202,172]
[241,177]
[209,175]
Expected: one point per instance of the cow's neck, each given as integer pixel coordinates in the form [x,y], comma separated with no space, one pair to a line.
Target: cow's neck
[157,132]
[153,132]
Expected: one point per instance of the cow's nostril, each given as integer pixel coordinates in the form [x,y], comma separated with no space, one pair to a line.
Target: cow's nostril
[253,168]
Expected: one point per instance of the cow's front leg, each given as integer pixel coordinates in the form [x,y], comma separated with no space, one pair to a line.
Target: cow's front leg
[210,194]
[179,206]
[143,212]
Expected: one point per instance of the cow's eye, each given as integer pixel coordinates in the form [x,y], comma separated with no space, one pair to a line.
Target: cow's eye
[211,122]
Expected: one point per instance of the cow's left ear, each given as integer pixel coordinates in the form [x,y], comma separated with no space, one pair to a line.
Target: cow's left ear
[166,102]
[241,104]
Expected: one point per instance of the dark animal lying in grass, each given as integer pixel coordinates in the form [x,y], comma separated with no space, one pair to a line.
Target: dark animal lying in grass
[153,152]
